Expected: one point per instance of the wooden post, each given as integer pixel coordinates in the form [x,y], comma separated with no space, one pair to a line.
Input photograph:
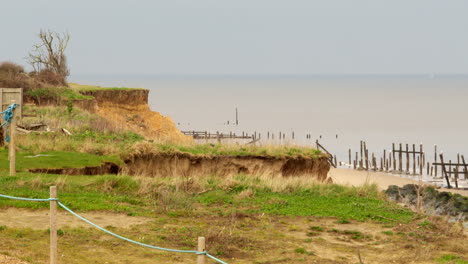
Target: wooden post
[336,162]
[414,159]
[421,164]
[201,259]
[435,160]
[465,166]
[384,159]
[450,167]
[444,172]
[400,156]
[373,165]
[455,170]
[53,225]
[12,147]
[428,167]
[349,154]
[407,159]
[357,160]
[237,118]
[394,157]
[362,155]
[367,158]
[293,135]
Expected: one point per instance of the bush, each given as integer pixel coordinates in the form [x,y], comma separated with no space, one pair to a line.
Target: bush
[49,77]
[10,67]
[13,75]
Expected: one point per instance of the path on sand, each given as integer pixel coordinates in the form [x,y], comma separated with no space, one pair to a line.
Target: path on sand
[383,180]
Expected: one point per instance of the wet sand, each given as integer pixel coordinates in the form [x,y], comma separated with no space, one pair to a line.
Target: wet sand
[383,180]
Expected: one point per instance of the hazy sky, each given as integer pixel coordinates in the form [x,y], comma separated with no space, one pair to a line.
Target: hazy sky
[246,36]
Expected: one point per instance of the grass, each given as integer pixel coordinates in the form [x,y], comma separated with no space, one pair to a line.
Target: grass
[54,159]
[81,87]
[179,195]
[238,228]
[238,150]
[90,133]
[60,93]
[80,193]
[452,259]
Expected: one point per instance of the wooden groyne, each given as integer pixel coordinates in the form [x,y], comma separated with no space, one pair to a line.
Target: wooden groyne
[410,159]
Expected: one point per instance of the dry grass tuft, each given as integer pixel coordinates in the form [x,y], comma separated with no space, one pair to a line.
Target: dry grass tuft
[245,194]
[60,182]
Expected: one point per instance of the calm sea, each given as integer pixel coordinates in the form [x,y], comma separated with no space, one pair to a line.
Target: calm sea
[341,110]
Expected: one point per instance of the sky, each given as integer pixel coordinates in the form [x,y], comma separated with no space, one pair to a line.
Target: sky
[245,37]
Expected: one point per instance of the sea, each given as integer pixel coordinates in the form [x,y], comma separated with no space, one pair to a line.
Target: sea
[339,111]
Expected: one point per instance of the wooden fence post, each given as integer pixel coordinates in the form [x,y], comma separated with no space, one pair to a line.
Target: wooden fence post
[414,159]
[400,156]
[53,226]
[349,154]
[357,160]
[362,156]
[435,160]
[12,147]
[407,159]
[201,259]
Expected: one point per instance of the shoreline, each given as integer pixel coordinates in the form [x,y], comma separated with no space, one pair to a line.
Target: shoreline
[383,180]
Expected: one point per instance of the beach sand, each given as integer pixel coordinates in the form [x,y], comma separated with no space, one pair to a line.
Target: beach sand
[383,180]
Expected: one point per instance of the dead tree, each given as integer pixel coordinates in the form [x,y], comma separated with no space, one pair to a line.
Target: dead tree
[49,54]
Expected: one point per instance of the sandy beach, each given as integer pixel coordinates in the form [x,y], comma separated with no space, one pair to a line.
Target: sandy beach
[383,180]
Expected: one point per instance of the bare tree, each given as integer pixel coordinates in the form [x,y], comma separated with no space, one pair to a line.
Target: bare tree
[49,54]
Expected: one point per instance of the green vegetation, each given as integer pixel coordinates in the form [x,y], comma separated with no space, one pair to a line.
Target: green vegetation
[90,132]
[80,87]
[57,93]
[452,259]
[316,228]
[236,150]
[302,251]
[54,160]
[342,221]
[388,233]
[178,196]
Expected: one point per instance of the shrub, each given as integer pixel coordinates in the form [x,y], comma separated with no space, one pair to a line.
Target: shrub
[50,77]
[10,67]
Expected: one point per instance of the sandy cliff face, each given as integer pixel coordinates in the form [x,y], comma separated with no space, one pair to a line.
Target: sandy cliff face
[129,109]
[173,164]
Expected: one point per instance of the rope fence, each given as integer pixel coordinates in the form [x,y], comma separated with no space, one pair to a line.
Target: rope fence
[200,252]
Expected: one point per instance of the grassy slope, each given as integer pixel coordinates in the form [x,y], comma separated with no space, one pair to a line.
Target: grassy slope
[252,195]
[243,217]
[54,159]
